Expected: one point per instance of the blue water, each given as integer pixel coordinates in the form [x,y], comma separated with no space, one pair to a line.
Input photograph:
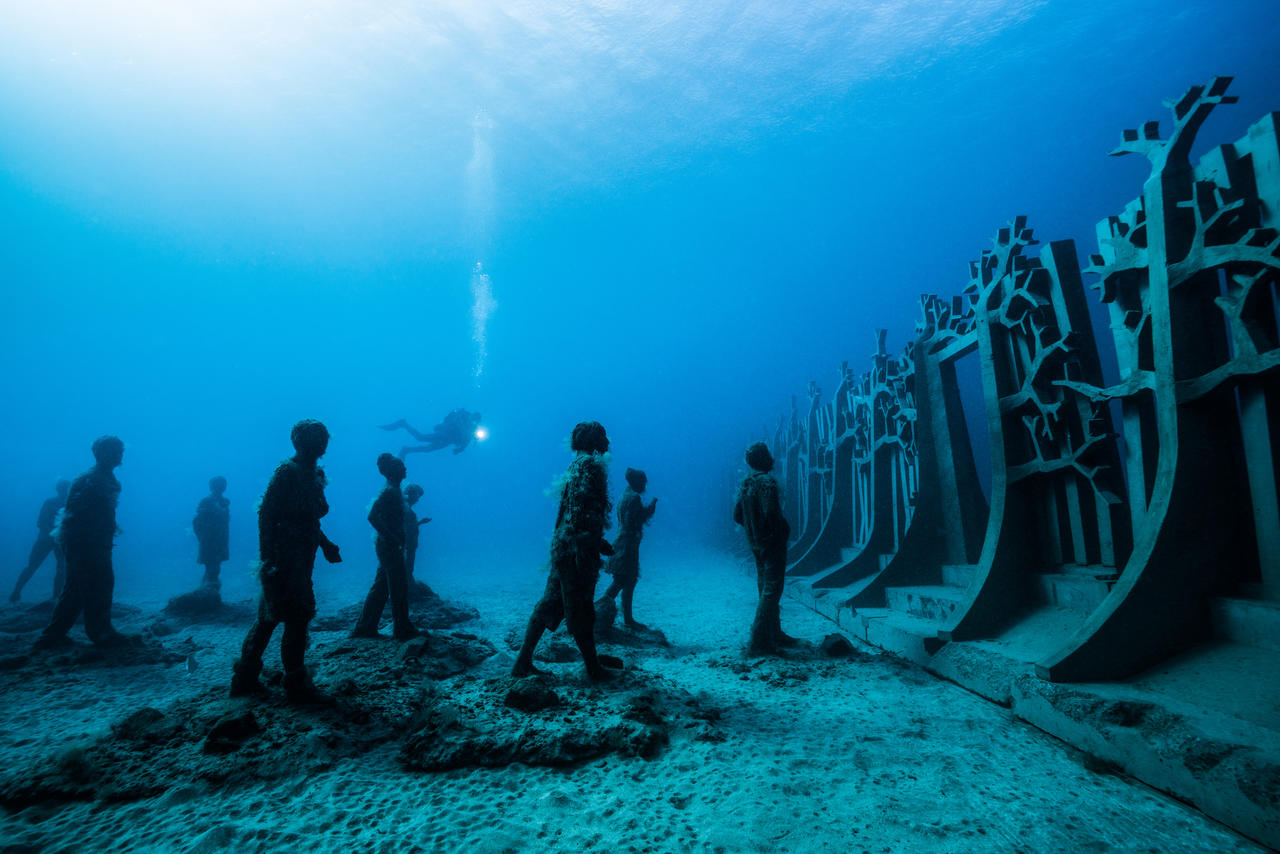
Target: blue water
[219,217]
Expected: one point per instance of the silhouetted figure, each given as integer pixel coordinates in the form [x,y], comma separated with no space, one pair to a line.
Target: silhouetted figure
[45,544]
[758,510]
[212,526]
[412,531]
[288,536]
[458,429]
[624,566]
[387,518]
[576,547]
[87,534]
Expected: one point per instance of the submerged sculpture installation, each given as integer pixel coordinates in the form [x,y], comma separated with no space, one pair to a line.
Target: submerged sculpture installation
[1120,514]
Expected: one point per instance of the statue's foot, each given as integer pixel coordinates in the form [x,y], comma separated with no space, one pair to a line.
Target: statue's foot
[600,674]
[303,692]
[761,649]
[247,686]
[52,642]
[521,670]
[115,639]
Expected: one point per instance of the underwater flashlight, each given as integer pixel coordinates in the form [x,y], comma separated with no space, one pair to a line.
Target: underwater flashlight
[482,433]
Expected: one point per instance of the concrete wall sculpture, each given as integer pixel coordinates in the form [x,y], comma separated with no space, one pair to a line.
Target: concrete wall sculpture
[1108,543]
[1121,586]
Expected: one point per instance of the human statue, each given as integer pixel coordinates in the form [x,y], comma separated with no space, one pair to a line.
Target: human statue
[87,535]
[387,516]
[212,526]
[576,547]
[288,536]
[758,510]
[412,530]
[45,543]
[457,429]
[624,566]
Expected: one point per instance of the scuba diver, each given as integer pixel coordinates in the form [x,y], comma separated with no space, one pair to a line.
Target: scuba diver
[459,428]
[45,544]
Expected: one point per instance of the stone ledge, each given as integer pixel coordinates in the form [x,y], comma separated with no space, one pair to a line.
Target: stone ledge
[1227,767]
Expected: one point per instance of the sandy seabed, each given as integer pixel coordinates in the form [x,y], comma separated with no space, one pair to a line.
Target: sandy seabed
[809,754]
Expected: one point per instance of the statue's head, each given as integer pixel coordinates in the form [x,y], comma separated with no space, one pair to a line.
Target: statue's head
[412,492]
[637,479]
[218,485]
[759,458]
[589,438]
[391,467]
[108,451]
[62,487]
[310,438]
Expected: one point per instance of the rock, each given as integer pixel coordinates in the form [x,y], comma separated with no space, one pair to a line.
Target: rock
[606,613]
[230,731]
[161,629]
[836,646]
[426,609]
[553,648]
[636,718]
[636,638]
[143,725]
[414,649]
[449,655]
[530,695]
[205,605]
[644,709]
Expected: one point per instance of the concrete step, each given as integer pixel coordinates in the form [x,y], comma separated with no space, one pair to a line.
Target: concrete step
[938,603]
[1105,573]
[1252,622]
[910,637]
[1079,592]
[958,574]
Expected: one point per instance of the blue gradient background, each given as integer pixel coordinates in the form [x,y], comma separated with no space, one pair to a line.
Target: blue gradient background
[217,218]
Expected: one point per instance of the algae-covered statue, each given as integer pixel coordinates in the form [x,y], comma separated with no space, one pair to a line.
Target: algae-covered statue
[387,518]
[412,533]
[458,429]
[212,526]
[576,547]
[624,566]
[288,536]
[87,535]
[45,543]
[758,510]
